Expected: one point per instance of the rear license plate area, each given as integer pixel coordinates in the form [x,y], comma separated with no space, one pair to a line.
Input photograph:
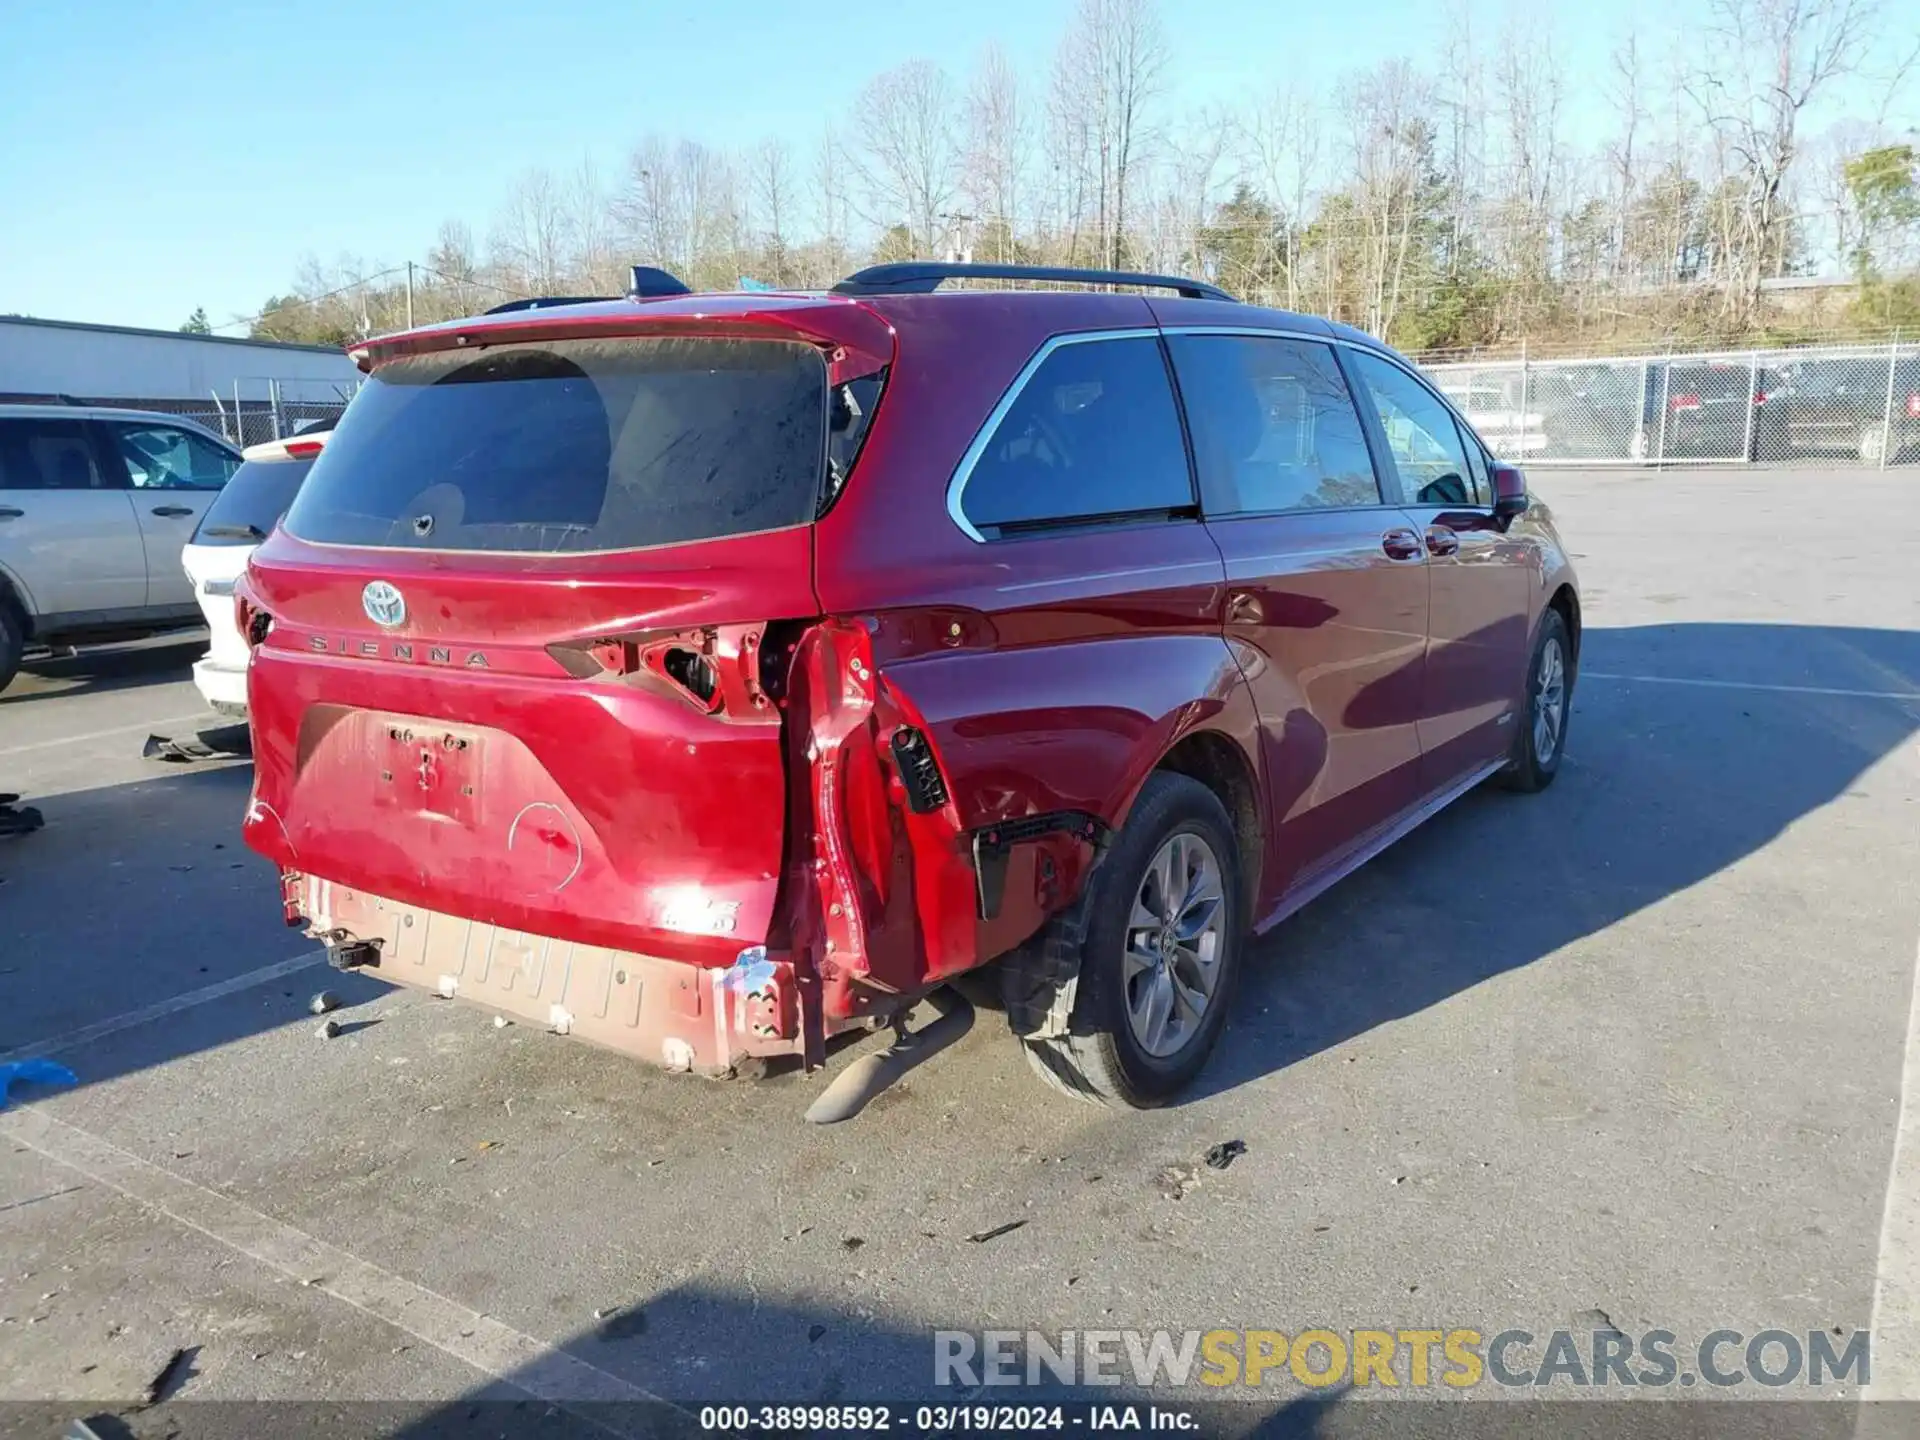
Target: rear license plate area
[428,769]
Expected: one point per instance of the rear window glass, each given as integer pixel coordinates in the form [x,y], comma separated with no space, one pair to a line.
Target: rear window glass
[251,504]
[574,445]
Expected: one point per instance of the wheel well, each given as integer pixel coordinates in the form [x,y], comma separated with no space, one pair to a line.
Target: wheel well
[1220,765]
[1568,604]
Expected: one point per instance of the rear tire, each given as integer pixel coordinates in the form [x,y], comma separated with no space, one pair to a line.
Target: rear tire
[1548,705]
[13,641]
[1159,928]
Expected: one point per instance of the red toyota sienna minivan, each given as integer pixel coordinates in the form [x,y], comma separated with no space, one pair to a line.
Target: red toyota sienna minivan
[706,675]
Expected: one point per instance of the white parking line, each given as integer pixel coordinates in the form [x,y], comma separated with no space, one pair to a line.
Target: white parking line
[1752,685]
[495,1350]
[148,725]
[159,1010]
[1896,1288]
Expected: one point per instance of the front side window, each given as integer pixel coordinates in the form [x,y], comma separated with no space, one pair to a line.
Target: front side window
[1274,428]
[1421,436]
[1092,436]
[161,457]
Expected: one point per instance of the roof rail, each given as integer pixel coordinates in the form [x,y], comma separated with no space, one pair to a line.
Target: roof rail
[650,282]
[541,302]
[922,277]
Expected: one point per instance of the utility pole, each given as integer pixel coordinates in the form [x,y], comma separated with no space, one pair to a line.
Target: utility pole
[409,294]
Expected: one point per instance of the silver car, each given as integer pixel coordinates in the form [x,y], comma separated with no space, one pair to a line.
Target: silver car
[95,506]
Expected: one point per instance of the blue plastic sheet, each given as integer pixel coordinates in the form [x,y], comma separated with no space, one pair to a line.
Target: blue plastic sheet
[35,1072]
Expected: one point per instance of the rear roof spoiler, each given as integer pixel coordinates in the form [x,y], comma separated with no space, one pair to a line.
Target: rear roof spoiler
[922,277]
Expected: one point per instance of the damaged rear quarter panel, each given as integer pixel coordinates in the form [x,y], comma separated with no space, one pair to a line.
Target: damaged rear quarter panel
[1050,673]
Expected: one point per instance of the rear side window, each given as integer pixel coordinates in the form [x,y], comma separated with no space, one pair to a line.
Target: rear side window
[1093,435]
[46,455]
[245,512]
[574,445]
[1274,428]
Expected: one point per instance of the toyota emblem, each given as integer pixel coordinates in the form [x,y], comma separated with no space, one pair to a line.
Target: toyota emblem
[384,604]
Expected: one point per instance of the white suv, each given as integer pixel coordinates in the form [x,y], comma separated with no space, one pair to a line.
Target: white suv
[95,505]
[241,516]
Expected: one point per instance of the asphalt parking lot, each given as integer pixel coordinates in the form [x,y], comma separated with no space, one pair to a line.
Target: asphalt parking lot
[1635,1046]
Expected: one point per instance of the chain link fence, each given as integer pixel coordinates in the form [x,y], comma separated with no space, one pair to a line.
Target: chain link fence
[1853,403]
[268,409]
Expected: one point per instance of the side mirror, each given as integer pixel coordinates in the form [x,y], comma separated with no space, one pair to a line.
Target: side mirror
[1509,493]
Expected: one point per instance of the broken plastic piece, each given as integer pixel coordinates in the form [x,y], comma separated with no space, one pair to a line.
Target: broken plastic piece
[866,1077]
[33,1072]
[1225,1153]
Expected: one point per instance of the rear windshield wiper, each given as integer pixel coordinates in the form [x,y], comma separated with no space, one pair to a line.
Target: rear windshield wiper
[235,532]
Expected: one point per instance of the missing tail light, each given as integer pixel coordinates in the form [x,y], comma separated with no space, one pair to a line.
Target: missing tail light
[253,623]
[690,671]
[716,670]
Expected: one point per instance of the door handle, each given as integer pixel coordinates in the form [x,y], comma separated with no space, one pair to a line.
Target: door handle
[11,512]
[1442,541]
[1401,544]
[173,512]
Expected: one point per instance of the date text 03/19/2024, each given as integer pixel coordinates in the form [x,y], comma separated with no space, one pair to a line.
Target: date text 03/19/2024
[923,1419]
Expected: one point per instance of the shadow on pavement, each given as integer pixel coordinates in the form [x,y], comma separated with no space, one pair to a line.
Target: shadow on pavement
[1663,787]
[96,671]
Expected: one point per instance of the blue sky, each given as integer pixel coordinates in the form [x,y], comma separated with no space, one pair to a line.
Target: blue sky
[150,166]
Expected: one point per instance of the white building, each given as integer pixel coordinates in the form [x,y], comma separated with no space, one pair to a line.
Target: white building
[257,387]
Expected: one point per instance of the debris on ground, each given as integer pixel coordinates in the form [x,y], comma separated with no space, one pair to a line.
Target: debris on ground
[33,1072]
[171,1376]
[323,1002]
[851,1243]
[500,1022]
[621,1322]
[1176,1180]
[1220,1156]
[980,1237]
[177,751]
[814,1332]
[329,1028]
[18,819]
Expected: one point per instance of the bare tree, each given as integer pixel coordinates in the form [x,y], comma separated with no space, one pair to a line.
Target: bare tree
[1390,149]
[1283,138]
[997,151]
[1773,60]
[1110,71]
[774,191]
[833,211]
[529,235]
[455,271]
[908,156]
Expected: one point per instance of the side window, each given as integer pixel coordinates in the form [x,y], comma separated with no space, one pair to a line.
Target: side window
[1421,437]
[159,457]
[47,455]
[1092,435]
[1477,467]
[1274,428]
